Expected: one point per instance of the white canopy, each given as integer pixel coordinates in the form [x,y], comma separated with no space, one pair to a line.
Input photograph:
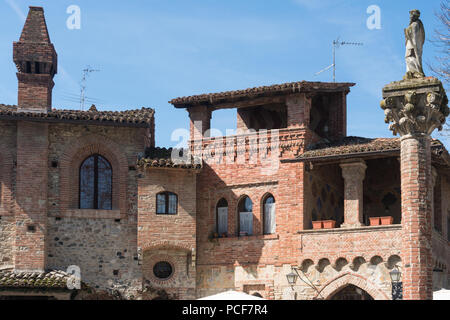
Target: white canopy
[231,295]
[441,295]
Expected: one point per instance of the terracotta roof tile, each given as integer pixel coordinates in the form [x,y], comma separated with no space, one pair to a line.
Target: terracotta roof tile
[162,158]
[139,118]
[359,145]
[285,88]
[34,280]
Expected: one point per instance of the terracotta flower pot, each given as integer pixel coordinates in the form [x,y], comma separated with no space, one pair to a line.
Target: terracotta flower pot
[374,221]
[317,225]
[385,221]
[329,224]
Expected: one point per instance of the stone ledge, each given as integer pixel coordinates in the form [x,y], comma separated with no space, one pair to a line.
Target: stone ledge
[249,238]
[353,230]
[89,214]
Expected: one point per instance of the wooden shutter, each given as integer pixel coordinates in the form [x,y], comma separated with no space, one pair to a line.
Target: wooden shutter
[269,218]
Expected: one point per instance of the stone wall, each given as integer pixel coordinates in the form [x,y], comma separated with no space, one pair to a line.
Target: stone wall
[7,235]
[104,249]
[102,243]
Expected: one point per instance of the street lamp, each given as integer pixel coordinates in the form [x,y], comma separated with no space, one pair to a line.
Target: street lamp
[397,285]
[292,278]
[395,275]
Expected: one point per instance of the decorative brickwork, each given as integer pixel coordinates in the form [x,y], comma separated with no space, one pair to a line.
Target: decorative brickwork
[343,280]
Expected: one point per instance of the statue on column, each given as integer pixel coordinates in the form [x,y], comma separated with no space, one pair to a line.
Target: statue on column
[415,39]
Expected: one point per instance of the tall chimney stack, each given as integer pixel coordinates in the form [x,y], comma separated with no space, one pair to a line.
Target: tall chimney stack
[36,61]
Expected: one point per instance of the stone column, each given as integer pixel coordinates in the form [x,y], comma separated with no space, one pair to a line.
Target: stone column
[354,174]
[416,108]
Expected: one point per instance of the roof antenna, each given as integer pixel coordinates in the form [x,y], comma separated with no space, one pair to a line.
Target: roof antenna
[86,73]
[336,44]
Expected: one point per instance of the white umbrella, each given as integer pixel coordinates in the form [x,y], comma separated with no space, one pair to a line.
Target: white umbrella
[231,295]
[441,295]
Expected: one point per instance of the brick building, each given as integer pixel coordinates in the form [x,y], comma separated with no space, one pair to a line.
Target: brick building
[290,192]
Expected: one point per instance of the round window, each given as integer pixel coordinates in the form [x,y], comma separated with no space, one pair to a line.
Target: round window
[163,270]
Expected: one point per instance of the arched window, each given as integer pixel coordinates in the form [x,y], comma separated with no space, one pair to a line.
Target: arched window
[245,208]
[166,203]
[96,183]
[222,217]
[269,214]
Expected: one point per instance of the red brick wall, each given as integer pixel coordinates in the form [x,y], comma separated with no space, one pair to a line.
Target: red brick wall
[234,180]
[416,218]
[31,196]
[35,92]
[8,140]
[170,238]
[158,230]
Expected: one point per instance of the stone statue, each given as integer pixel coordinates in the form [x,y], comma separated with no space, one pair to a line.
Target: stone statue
[415,38]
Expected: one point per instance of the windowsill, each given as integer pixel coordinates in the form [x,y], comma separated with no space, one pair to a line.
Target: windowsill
[249,238]
[90,214]
[359,229]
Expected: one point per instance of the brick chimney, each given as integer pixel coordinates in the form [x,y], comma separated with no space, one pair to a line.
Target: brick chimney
[36,61]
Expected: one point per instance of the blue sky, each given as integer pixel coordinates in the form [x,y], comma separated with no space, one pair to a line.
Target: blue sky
[149,52]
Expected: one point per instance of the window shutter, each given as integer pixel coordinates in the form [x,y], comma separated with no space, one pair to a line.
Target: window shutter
[161,203]
[172,204]
[250,223]
[271,227]
[246,222]
[269,218]
[222,216]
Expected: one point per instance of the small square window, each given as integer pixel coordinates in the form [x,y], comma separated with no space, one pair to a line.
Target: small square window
[166,203]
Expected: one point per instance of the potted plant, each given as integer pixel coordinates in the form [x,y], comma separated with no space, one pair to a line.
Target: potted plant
[317,225]
[385,221]
[329,224]
[374,221]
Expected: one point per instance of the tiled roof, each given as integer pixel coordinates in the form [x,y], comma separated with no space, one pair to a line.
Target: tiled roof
[277,89]
[33,280]
[359,145]
[162,158]
[137,118]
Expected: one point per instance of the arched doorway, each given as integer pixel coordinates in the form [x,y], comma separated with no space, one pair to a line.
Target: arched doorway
[351,292]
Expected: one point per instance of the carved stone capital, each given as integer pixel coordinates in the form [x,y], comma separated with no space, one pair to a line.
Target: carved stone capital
[415,107]
[353,171]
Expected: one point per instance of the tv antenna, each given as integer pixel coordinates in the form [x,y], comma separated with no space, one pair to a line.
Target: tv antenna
[86,73]
[336,45]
